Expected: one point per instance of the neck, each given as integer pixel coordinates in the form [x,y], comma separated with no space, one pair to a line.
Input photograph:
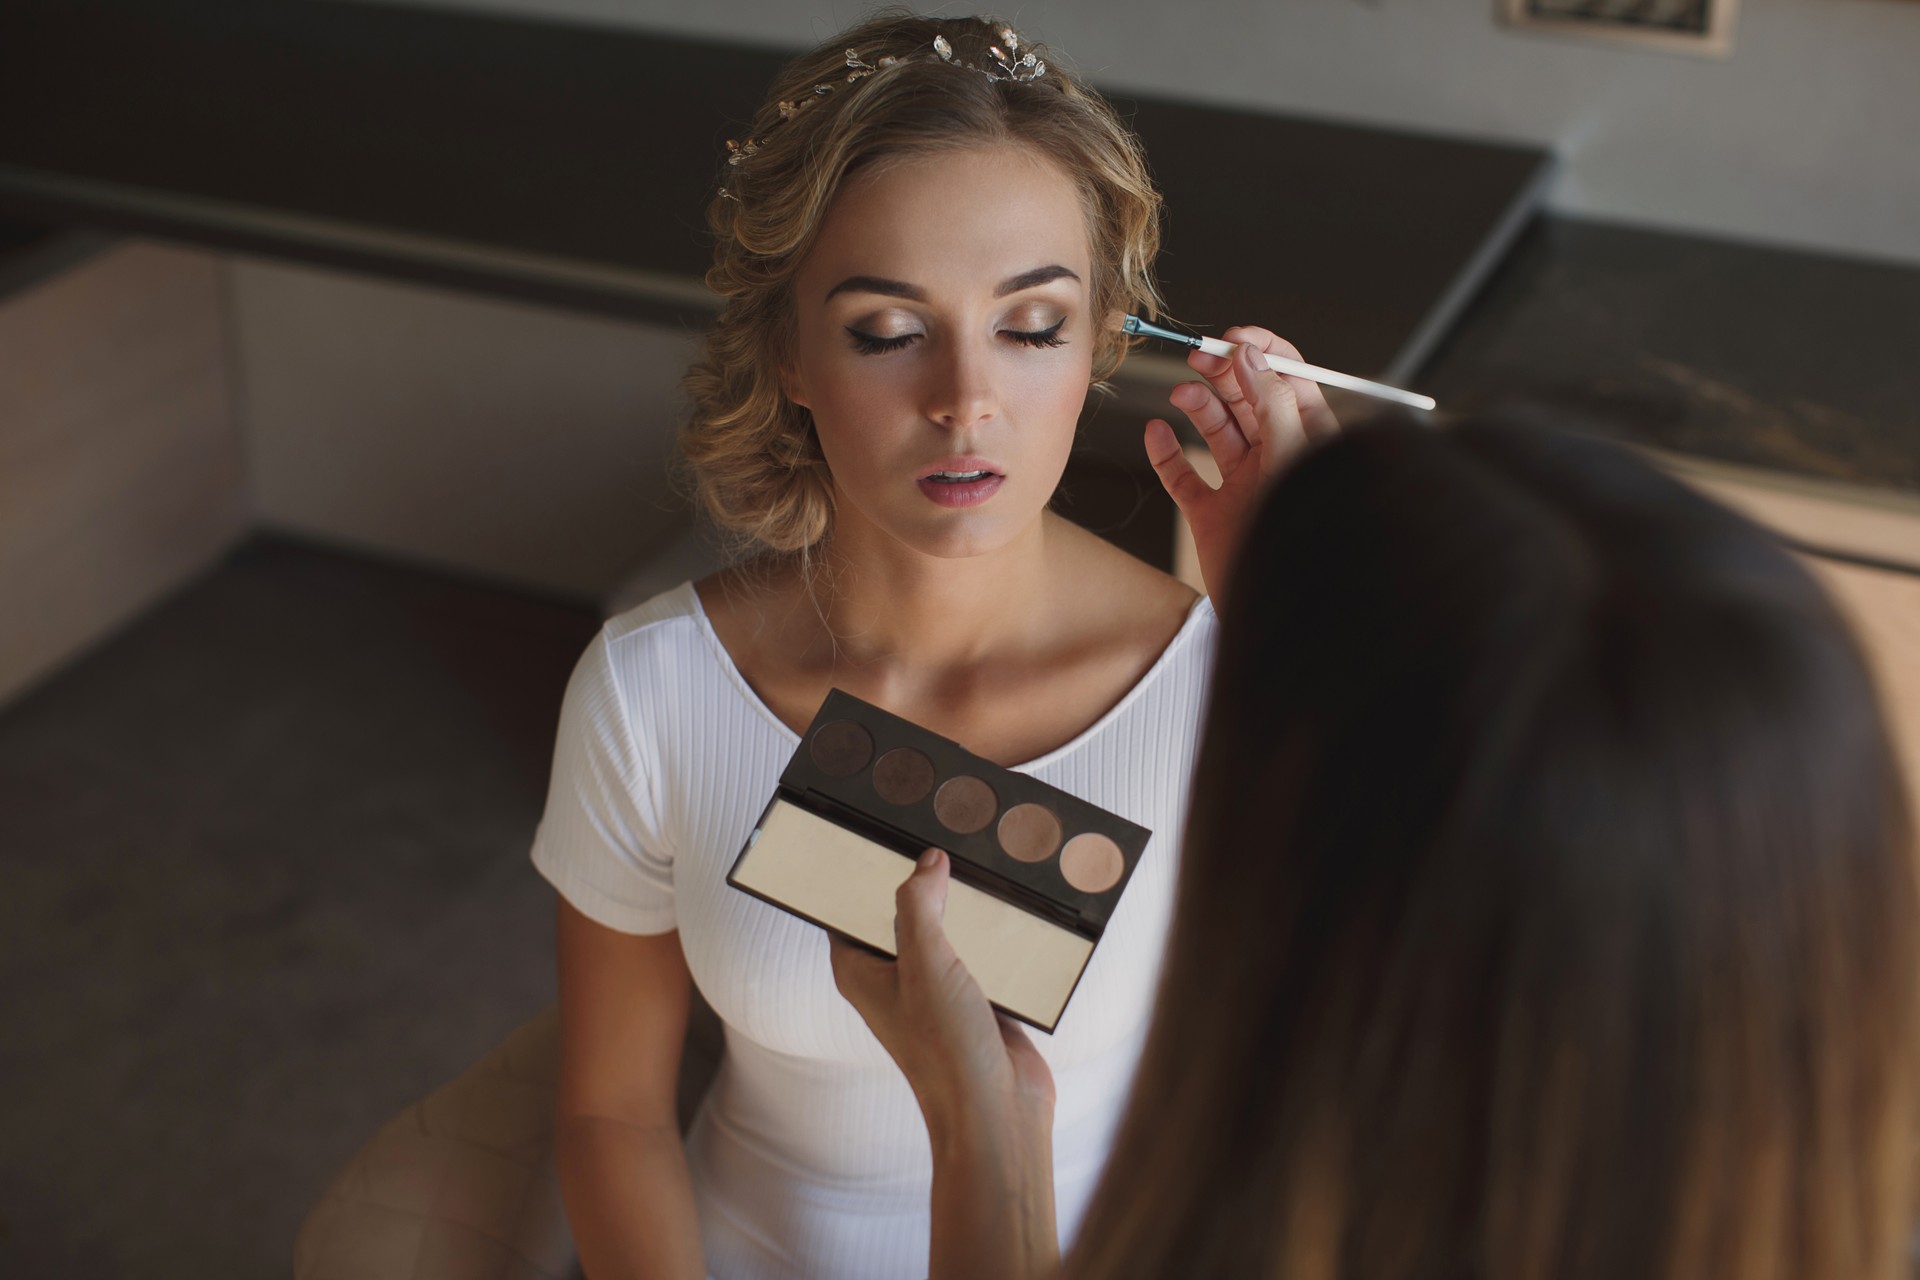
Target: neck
[902,615]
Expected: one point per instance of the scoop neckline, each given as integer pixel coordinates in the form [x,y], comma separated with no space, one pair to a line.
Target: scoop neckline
[1200,608]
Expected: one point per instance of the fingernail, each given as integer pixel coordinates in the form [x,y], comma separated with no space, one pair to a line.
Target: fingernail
[1255,356]
[929,859]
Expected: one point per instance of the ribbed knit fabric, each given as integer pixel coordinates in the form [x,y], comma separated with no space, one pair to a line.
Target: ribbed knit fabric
[810,1157]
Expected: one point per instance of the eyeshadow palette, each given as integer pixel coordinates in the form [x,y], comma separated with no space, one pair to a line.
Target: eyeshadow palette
[1037,871]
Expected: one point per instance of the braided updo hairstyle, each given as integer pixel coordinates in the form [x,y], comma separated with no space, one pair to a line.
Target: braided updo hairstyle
[755,462]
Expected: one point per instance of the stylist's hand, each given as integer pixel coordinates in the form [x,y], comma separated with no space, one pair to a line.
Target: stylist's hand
[1254,422]
[985,1091]
[966,1063]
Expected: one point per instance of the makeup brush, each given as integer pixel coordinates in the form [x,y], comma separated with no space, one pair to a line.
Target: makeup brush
[1280,364]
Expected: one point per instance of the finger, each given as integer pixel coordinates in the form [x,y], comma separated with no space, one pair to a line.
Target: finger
[1233,396]
[1029,1067]
[1274,405]
[1317,418]
[1177,476]
[1216,423]
[864,978]
[1014,1034]
[1207,366]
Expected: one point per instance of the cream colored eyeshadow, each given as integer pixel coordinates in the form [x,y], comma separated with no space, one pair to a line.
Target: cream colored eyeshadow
[845,881]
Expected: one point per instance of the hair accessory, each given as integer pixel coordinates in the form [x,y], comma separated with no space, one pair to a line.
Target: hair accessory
[858,68]
[1008,63]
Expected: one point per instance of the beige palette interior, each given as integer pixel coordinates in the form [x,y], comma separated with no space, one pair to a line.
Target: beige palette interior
[840,879]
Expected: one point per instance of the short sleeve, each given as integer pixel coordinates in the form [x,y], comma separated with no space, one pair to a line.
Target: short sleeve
[599,842]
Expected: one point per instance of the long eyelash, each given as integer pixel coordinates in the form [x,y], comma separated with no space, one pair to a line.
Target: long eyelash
[1041,338]
[869,345]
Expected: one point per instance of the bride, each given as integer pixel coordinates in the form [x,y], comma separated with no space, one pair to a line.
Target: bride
[924,252]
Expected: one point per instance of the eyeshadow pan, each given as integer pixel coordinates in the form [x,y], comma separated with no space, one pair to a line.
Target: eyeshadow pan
[842,748]
[903,776]
[965,804]
[1030,832]
[1092,863]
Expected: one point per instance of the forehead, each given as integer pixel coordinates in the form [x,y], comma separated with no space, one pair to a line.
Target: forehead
[951,221]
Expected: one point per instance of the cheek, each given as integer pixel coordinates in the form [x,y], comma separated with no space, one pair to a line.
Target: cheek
[852,419]
[1053,394]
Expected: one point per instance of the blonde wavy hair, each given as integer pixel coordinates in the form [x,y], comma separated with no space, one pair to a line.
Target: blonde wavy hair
[755,464]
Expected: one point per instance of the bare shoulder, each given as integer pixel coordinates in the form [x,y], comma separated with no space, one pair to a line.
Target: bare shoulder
[746,603]
[773,632]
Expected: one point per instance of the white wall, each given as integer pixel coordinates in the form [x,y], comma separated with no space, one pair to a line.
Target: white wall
[1808,135]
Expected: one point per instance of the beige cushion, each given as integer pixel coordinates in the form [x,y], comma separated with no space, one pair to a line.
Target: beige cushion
[461,1186]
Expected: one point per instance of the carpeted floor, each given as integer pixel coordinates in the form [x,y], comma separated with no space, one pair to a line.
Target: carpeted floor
[263,882]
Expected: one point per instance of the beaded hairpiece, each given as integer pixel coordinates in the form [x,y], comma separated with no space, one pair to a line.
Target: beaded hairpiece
[1007,62]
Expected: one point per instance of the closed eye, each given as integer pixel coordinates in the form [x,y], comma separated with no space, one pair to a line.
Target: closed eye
[1048,337]
[868,344]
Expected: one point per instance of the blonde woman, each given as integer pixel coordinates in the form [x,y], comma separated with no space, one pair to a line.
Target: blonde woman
[925,250]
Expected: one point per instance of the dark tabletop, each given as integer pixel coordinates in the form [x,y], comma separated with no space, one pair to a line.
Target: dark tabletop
[1802,363]
[570,164]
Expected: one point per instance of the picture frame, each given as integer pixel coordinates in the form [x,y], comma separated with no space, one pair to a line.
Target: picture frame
[1701,27]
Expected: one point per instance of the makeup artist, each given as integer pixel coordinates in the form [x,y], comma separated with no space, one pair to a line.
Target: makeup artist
[925,251]
[1547,910]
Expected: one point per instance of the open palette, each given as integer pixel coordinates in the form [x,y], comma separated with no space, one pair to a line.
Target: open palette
[1037,872]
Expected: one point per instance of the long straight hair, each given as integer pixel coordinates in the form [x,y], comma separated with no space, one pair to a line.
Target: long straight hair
[1547,911]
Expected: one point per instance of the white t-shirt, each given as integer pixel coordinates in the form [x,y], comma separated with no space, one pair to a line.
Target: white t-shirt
[809,1155]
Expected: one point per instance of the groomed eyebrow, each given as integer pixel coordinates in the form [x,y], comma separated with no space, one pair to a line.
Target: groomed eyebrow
[914,293]
[1031,279]
[876,284]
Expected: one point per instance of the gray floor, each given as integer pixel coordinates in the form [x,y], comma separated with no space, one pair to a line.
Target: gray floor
[263,881]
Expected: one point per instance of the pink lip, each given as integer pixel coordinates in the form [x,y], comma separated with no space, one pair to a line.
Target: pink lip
[961,462]
[970,494]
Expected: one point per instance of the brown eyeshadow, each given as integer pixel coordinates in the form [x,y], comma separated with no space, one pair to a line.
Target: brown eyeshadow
[1030,832]
[1092,863]
[842,748]
[965,804]
[903,776]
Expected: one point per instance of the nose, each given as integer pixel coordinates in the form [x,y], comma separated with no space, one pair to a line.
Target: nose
[960,386]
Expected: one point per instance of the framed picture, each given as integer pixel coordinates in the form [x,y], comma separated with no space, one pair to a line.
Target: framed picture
[1679,26]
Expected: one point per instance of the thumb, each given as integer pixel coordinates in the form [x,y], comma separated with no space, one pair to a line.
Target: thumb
[919,906]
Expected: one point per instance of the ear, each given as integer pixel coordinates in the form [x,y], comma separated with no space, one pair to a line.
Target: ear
[795,389]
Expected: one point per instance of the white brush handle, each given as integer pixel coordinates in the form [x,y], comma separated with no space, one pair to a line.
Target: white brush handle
[1329,377]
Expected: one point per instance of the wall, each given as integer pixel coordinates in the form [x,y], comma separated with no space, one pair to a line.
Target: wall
[1804,136]
[514,443]
[120,465]
[528,445]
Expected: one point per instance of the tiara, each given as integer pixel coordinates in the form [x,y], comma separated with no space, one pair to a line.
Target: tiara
[1007,61]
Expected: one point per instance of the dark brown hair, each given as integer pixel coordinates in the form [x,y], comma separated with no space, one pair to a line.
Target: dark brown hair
[1547,910]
